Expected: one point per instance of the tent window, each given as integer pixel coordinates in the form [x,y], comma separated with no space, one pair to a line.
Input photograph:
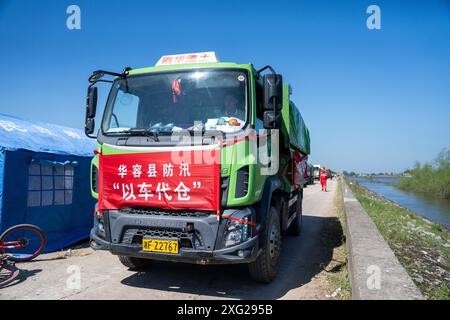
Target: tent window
[50,184]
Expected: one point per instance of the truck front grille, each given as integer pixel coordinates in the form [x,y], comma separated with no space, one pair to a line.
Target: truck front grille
[186,239]
[161,212]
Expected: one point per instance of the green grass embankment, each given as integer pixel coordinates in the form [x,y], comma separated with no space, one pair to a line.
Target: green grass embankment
[422,247]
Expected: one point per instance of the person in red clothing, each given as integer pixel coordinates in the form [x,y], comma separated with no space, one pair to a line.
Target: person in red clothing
[323,180]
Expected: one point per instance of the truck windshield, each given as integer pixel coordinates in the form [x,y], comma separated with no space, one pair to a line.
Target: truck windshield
[174,101]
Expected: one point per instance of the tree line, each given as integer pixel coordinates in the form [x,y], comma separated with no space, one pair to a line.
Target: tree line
[432,178]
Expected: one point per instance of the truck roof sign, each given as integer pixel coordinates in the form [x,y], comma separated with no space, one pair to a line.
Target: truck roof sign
[200,57]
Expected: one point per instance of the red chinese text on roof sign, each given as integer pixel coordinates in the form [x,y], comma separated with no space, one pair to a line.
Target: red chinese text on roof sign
[200,57]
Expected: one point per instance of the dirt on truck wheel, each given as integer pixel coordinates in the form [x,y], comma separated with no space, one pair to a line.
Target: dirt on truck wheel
[265,268]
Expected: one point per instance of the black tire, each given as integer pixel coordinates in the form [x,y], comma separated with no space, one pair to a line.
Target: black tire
[13,234]
[296,225]
[265,268]
[134,263]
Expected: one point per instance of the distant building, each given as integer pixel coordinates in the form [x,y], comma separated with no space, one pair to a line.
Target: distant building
[45,179]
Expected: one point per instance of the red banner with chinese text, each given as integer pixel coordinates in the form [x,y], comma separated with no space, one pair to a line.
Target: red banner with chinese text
[156,180]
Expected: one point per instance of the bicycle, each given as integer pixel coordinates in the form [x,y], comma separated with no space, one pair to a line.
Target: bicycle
[20,243]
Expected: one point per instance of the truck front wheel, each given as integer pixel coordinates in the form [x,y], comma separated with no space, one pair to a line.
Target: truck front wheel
[134,263]
[265,268]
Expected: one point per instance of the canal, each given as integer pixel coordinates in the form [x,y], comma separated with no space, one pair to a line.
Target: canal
[433,209]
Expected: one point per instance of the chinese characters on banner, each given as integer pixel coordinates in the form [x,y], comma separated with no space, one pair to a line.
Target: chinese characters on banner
[187,58]
[155,180]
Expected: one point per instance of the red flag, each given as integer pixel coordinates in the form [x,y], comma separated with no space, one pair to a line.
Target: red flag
[176,90]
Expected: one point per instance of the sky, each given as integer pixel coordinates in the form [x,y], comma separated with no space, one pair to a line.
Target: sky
[374,100]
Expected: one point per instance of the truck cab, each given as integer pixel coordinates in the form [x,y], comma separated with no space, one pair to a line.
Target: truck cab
[317,171]
[197,161]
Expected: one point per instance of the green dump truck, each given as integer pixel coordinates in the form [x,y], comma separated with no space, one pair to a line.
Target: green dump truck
[317,170]
[310,172]
[197,161]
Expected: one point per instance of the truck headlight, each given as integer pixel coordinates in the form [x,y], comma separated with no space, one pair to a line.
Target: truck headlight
[236,232]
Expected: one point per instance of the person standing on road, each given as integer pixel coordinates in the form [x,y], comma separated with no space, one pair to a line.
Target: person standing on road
[323,180]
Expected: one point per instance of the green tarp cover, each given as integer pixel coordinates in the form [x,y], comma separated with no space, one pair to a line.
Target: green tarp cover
[298,131]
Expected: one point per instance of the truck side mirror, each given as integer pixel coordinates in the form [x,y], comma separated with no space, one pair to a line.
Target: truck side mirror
[91,102]
[89,126]
[91,108]
[273,92]
[272,120]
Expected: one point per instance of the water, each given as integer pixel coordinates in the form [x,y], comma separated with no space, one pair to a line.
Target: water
[433,209]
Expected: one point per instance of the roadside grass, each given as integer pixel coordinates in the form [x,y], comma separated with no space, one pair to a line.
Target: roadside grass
[422,247]
[338,276]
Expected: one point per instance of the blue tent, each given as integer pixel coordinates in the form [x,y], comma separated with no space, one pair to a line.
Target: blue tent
[44,179]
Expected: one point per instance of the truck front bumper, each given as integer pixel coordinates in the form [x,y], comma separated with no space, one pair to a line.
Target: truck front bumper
[122,235]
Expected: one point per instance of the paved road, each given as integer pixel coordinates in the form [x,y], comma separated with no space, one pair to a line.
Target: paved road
[103,277]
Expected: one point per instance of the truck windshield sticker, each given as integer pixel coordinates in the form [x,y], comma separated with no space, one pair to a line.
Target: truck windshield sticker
[225,124]
[155,179]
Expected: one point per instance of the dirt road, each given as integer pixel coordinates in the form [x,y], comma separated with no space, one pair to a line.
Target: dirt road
[102,276]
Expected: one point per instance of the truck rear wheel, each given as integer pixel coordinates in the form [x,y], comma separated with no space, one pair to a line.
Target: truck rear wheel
[296,225]
[134,263]
[265,268]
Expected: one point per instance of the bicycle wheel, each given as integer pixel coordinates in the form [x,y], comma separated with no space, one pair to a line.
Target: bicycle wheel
[8,272]
[23,242]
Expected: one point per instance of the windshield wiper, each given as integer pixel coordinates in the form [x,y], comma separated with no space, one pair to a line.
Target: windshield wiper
[146,132]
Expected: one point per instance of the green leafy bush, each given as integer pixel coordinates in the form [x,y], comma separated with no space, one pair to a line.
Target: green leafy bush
[430,178]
